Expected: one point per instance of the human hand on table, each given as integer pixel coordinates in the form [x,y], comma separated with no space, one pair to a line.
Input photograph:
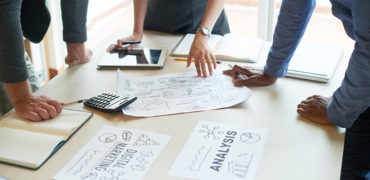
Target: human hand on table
[133,37]
[256,79]
[314,109]
[202,55]
[77,54]
[37,108]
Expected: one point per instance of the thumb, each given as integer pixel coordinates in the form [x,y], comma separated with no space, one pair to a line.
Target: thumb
[252,80]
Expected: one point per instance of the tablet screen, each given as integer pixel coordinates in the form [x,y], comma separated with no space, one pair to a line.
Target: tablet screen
[136,56]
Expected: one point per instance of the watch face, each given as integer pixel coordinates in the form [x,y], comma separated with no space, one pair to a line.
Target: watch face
[205,31]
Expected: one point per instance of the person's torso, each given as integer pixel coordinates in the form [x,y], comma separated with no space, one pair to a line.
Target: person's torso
[180,16]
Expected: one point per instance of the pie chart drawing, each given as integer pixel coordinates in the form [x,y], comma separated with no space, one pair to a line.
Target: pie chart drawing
[107,138]
[250,137]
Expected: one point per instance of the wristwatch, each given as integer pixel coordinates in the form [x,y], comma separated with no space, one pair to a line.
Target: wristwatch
[205,31]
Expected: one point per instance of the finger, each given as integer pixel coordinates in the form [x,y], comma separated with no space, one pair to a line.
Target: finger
[131,46]
[203,66]
[307,101]
[208,59]
[197,67]
[214,61]
[243,70]
[240,82]
[310,98]
[189,60]
[50,109]
[227,72]
[303,106]
[234,73]
[302,112]
[42,113]
[111,47]
[34,116]
[253,80]
[119,43]
[57,105]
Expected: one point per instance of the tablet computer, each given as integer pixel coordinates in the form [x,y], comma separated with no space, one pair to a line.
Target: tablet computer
[137,58]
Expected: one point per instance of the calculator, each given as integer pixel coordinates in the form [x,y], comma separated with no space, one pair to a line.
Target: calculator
[108,102]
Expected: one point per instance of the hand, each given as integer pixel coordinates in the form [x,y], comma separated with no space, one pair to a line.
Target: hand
[200,52]
[314,109]
[133,37]
[253,78]
[37,108]
[77,54]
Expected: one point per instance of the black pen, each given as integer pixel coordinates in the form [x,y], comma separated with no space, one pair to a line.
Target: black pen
[131,42]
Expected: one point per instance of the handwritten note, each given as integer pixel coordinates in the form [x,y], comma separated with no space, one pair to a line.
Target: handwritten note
[178,93]
[115,153]
[220,151]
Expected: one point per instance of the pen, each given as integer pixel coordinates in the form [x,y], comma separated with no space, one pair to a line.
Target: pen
[131,42]
[74,102]
[185,59]
[241,76]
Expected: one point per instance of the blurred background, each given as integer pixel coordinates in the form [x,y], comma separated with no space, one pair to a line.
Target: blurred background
[246,17]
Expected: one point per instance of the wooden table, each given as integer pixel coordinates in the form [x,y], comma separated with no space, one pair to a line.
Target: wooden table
[295,149]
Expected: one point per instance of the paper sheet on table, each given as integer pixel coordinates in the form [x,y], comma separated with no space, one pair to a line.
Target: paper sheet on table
[220,151]
[115,153]
[178,93]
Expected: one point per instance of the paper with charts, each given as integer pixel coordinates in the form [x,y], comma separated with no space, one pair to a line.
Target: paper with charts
[115,153]
[178,93]
[220,151]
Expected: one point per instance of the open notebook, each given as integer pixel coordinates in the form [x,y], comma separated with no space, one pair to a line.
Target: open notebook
[228,47]
[29,144]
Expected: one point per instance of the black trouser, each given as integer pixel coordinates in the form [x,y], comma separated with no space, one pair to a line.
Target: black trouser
[356,153]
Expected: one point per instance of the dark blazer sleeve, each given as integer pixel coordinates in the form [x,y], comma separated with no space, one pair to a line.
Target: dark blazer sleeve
[74,13]
[12,64]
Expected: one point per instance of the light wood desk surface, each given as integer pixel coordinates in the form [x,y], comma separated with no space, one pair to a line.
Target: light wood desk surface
[295,149]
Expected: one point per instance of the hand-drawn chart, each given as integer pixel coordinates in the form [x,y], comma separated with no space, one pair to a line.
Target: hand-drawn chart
[142,161]
[239,168]
[214,132]
[199,157]
[83,162]
[107,156]
[220,151]
[178,93]
[107,138]
[144,140]
[250,137]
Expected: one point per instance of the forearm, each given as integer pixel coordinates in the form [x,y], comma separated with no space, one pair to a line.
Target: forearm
[213,11]
[140,7]
[74,15]
[292,21]
[18,91]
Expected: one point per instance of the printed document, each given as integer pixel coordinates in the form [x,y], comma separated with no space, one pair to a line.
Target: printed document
[220,151]
[178,93]
[115,153]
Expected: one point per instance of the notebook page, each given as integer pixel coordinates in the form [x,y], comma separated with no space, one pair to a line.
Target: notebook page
[62,125]
[26,148]
[184,46]
[237,47]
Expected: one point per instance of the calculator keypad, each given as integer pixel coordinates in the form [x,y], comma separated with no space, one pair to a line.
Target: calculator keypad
[108,102]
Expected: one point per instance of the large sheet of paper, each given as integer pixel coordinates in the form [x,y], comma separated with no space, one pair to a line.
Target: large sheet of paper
[178,93]
[115,153]
[220,151]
